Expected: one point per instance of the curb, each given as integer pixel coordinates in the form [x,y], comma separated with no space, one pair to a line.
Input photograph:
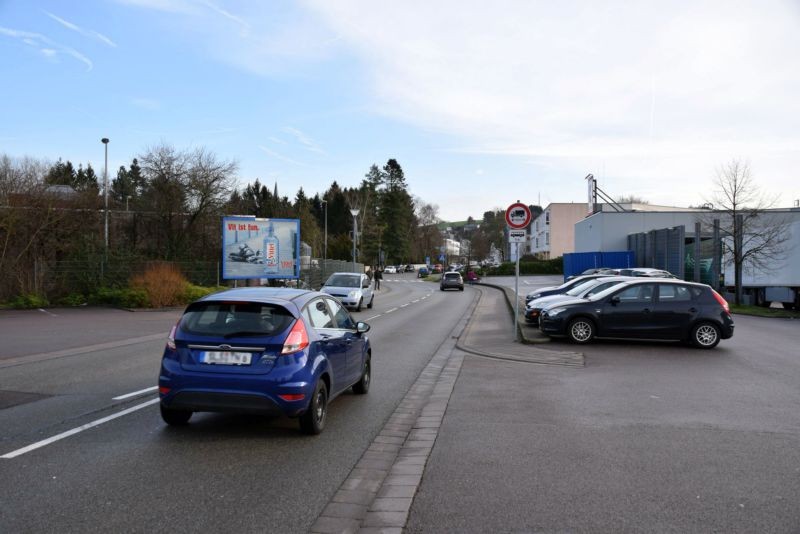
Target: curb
[524,336]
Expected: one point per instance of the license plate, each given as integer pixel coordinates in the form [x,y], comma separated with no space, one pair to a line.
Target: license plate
[225,358]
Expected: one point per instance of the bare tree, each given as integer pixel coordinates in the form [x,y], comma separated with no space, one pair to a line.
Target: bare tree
[755,241]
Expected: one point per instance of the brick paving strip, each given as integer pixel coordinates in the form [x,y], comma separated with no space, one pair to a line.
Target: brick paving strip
[378,493]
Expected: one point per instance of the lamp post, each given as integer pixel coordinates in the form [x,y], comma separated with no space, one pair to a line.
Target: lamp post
[354,213]
[105,193]
[325,246]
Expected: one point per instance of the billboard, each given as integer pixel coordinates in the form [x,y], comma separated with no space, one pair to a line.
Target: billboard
[260,248]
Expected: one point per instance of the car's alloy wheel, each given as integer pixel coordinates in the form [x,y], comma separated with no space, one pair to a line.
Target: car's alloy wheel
[313,420]
[175,417]
[362,386]
[705,336]
[581,330]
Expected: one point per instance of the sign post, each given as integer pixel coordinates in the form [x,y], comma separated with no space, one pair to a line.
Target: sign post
[518,216]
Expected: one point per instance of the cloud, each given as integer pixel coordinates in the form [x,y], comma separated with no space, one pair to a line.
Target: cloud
[243,24]
[47,46]
[276,155]
[647,89]
[304,140]
[86,33]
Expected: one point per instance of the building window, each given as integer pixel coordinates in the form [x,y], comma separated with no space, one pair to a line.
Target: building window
[547,217]
[547,238]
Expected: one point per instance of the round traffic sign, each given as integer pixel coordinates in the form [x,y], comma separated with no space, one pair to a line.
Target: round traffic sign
[518,216]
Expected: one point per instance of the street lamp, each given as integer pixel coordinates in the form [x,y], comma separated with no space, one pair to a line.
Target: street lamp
[105,192]
[354,213]
[325,248]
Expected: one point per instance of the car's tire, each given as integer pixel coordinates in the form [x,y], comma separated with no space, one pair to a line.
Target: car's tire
[370,302]
[788,305]
[705,335]
[581,330]
[461,289]
[362,386]
[313,420]
[175,417]
[360,301]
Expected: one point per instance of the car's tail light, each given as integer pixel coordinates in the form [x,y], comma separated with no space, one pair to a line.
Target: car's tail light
[163,390]
[722,301]
[171,338]
[297,339]
[292,396]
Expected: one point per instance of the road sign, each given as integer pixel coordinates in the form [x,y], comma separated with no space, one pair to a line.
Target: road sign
[518,216]
[516,236]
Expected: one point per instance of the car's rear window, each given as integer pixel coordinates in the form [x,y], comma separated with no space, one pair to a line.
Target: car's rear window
[234,319]
[343,280]
[452,276]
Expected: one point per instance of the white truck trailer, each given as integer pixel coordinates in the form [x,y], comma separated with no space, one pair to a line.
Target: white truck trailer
[780,281]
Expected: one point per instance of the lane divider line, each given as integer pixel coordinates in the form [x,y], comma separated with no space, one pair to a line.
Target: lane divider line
[68,433]
[392,310]
[135,393]
[373,317]
[404,305]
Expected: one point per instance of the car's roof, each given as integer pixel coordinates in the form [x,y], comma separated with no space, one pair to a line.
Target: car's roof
[345,274]
[259,294]
[654,280]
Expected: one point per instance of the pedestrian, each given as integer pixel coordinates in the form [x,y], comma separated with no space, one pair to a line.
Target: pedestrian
[378,277]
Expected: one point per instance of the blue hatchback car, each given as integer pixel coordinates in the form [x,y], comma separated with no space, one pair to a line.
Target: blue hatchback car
[270,351]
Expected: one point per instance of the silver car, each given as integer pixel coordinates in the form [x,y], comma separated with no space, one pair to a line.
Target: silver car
[352,289]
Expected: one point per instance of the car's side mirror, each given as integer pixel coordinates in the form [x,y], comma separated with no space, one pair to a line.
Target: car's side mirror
[362,327]
[615,300]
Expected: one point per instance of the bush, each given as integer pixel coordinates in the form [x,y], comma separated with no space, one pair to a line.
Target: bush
[123,298]
[193,292]
[28,300]
[554,266]
[163,284]
[73,299]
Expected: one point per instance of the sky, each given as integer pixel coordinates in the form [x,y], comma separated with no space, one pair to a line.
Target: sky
[482,103]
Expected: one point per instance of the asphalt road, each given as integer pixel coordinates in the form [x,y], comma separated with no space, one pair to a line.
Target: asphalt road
[222,472]
[646,438]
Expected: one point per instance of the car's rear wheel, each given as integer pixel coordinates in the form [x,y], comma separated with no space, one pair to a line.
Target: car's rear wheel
[705,335]
[581,330]
[362,386]
[313,420]
[175,417]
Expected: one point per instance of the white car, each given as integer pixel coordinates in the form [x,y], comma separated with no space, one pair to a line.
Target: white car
[390,269]
[352,289]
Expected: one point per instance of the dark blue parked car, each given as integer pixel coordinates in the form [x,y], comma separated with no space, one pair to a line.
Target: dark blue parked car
[271,351]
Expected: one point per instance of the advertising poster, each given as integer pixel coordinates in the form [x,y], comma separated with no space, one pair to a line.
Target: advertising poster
[260,248]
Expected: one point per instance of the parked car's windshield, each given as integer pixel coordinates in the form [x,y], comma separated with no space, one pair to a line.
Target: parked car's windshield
[343,280]
[221,319]
[580,288]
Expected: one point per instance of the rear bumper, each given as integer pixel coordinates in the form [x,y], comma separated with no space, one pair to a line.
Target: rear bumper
[206,401]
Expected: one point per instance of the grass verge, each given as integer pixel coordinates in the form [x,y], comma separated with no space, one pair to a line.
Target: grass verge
[764,312]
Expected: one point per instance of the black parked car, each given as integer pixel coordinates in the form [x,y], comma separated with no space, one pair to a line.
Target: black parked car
[661,309]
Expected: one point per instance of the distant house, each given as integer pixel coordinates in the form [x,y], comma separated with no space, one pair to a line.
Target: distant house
[552,234]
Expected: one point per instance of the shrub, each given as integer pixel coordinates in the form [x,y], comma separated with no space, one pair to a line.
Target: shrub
[193,292]
[163,284]
[554,266]
[123,298]
[73,299]
[28,300]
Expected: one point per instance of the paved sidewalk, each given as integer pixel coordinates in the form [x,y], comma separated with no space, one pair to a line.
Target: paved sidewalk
[379,493]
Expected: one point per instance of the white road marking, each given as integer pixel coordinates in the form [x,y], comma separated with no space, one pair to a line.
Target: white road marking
[392,310]
[47,312]
[135,393]
[373,317]
[74,431]
[404,305]
[415,300]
